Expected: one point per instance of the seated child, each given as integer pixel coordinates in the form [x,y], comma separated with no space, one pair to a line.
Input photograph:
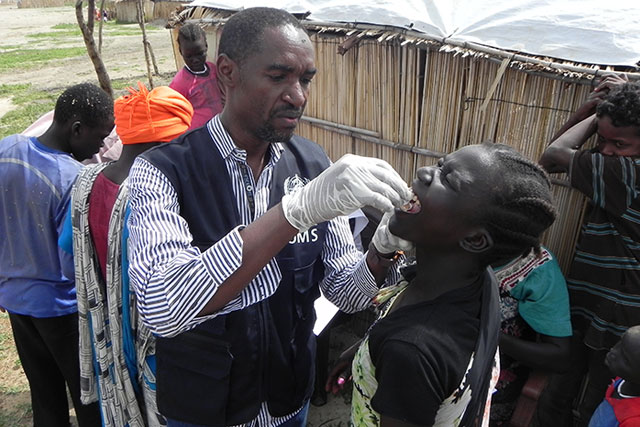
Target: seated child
[621,405]
[535,326]
[429,359]
[198,79]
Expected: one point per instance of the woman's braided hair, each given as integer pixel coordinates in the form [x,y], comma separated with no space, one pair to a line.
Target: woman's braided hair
[191,32]
[522,208]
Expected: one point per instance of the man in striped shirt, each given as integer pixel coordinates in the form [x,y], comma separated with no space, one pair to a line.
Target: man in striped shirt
[225,273]
[604,282]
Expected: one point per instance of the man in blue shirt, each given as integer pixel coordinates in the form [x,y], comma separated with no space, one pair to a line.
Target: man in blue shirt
[35,179]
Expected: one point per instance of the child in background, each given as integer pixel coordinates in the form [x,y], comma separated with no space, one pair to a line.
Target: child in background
[621,405]
[535,328]
[429,359]
[604,279]
[198,79]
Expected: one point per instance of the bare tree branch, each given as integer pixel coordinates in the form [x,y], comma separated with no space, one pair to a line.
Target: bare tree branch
[100,27]
[140,17]
[89,42]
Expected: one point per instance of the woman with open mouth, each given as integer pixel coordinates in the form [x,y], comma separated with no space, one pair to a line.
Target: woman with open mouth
[429,359]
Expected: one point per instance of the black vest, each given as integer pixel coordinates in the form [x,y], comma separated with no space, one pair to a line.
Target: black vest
[220,372]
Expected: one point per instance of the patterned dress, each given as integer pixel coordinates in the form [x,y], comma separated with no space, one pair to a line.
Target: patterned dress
[451,409]
[115,347]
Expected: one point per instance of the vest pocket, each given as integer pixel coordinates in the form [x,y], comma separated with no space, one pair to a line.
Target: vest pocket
[306,292]
[193,374]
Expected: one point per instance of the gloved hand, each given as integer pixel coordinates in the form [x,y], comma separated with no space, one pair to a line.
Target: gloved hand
[349,184]
[385,242]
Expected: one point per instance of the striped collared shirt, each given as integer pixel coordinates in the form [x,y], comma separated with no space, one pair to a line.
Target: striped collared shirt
[604,282]
[174,280]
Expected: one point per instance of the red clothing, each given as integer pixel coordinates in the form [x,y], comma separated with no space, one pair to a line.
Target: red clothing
[618,412]
[101,200]
[202,91]
[627,410]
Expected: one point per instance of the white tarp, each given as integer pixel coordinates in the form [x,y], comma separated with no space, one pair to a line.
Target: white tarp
[586,31]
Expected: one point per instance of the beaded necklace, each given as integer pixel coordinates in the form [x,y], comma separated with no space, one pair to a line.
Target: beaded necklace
[196,72]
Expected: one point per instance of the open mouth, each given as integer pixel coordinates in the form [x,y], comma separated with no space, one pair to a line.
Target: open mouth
[412,207]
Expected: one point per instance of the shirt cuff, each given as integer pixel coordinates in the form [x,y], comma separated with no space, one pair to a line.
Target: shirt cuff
[363,278]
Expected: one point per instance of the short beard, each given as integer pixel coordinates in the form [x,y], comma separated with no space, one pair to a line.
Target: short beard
[267,133]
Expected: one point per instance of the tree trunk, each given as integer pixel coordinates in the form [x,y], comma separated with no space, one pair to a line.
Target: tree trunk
[145,43]
[100,27]
[89,42]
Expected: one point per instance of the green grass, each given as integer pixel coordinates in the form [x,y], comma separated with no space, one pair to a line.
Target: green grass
[13,389]
[122,84]
[18,416]
[18,58]
[7,90]
[109,29]
[29,104]
[56,34]
[124,31]
[10,47]
[65,27]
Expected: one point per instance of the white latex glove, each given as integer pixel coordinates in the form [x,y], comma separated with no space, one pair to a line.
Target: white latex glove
[349,184]
[385,242]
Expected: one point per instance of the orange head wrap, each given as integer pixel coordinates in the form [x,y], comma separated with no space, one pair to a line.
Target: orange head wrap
[157,116]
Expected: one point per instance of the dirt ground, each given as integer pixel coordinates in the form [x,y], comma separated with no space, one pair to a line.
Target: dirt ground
[123,58]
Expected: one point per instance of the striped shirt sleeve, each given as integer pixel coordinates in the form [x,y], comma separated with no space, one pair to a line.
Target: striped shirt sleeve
[611,182]
[172,279]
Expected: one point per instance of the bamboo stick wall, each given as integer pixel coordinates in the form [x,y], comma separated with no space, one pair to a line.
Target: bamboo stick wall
[163,9]
[411,102]
[126,11]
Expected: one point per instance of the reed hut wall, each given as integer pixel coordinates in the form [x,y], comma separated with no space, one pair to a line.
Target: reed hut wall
[110,7]
[165,8]
[126,11]
[410,101]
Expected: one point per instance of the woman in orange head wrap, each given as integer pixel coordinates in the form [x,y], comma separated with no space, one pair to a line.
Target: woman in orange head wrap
[157,116]
[95,232]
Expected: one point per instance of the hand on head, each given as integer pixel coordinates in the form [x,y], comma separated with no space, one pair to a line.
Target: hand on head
[351,183]
[608,82]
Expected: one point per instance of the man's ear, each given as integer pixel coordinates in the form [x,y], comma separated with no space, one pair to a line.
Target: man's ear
[76,127]
[477,241]
[228,70]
